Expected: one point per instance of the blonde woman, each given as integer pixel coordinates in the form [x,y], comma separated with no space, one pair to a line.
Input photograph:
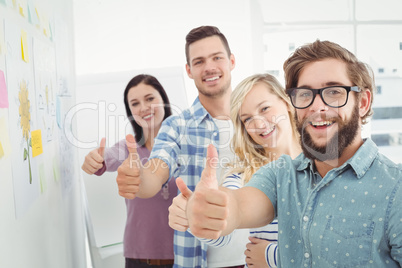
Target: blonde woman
[262,116]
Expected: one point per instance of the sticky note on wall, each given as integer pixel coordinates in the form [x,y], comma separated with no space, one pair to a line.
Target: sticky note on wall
[3,91]
[4,138]
[22,8]
[1,151]
[24,46]
[32,15]
[36,141]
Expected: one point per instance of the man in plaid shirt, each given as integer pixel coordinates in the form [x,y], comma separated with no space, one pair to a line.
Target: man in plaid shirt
[181,145]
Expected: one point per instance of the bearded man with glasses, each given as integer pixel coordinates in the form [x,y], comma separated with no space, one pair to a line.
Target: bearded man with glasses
[339,203]
[334,97]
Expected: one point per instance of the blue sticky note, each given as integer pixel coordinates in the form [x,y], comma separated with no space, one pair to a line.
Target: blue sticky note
[32,15]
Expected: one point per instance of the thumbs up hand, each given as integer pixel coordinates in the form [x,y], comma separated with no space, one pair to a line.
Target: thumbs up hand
[207,207]
[94,160]
[177,210]
[128,173]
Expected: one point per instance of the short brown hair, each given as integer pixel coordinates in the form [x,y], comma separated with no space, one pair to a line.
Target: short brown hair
[204,32]
[359,73]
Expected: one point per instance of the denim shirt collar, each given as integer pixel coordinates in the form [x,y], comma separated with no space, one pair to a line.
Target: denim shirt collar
[199,112]
[363,158]
[360,161]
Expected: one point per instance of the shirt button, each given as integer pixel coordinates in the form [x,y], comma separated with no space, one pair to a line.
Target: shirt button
[305,218]
[306,255]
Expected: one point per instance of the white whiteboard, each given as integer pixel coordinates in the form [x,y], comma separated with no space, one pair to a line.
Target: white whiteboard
[36,53]
[100,112]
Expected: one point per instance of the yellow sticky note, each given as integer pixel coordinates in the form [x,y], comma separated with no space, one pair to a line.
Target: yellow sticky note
[23,7]
[22,11]
[36,142]
[1,151]
[45,26]
[24,46]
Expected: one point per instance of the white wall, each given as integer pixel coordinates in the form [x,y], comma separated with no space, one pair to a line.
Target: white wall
[121,35]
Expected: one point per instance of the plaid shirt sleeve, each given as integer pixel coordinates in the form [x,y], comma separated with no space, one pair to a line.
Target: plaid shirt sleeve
[167,144]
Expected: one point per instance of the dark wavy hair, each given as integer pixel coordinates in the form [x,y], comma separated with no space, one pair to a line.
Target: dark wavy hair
[150,81]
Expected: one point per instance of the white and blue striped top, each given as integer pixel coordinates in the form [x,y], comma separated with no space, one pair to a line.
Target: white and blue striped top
[268,232]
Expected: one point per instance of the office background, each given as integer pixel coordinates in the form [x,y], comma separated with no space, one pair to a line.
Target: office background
[72,58]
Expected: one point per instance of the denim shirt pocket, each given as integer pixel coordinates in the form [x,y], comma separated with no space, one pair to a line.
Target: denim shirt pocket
[347,241]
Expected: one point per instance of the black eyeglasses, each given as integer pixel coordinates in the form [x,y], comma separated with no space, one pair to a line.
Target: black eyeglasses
[333,96]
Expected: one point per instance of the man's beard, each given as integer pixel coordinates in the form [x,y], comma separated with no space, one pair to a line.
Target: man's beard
[336,145]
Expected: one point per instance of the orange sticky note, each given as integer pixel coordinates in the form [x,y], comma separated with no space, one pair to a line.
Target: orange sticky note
[36,142]
[24,46]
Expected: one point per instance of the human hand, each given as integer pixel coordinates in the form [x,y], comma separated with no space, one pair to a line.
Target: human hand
[177,210]
[128,174]
[255,252]
[94,159]
[206,208]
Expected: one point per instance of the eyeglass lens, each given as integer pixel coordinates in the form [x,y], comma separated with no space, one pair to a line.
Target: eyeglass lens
[332,96]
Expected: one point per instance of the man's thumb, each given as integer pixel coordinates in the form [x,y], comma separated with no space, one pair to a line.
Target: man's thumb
[210,169]
[185,191]
[102,145]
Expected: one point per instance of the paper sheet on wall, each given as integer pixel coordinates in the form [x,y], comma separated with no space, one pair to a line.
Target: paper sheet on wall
[62,61]
[45,88]
[2,47]
[22,119]
[67,149]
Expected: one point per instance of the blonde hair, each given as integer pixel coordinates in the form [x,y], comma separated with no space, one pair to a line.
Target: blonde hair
[250,156]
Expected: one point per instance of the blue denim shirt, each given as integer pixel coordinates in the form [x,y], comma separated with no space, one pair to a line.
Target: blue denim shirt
[350,218]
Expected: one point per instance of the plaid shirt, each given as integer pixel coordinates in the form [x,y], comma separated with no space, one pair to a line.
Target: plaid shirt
[182,144]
